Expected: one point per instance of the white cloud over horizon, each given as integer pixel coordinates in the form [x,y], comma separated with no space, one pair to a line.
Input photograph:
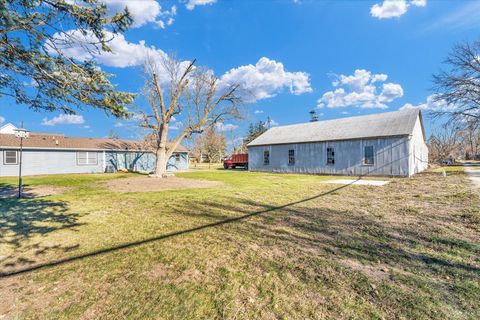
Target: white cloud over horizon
[63,119]
[2,119]
[431,104]
[394,8]
[361,90]
[191,4]
[258,111]
[266,79]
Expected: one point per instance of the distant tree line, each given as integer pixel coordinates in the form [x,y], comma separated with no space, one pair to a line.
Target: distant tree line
[451,142]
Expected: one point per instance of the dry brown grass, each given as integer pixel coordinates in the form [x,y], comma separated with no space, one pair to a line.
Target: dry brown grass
[150,184]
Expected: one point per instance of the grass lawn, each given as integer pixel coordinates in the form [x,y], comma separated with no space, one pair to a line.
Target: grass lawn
[262,246]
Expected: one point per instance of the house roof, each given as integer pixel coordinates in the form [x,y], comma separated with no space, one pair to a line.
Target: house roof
[397,123]
[60,142]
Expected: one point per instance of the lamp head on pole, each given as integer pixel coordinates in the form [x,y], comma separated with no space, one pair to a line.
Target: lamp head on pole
[21,133]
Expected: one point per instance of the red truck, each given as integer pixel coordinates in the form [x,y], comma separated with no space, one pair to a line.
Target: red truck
[236,160]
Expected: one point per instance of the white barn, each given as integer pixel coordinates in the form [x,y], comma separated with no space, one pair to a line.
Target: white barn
[385,144]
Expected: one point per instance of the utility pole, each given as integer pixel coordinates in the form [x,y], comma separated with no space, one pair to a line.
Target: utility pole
[21,133]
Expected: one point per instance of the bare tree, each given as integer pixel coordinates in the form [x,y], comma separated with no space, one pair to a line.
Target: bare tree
[211,144]
[459,85]
[471,140]
[113,134]
[445,142]
[180,89]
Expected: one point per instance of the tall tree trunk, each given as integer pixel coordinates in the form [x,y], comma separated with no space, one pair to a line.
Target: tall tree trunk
[161,165]
[161,153]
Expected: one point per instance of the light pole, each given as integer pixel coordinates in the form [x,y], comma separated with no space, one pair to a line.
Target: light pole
[22,134]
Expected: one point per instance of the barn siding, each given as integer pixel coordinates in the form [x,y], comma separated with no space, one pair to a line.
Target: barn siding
[418,157]
[391,157]
[37,162]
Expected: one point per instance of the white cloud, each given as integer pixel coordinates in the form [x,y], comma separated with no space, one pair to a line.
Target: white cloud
[360,90]
[258,111]
[394,8]
[389,9]
[124,53]
[390,92]
[225,127]
[265,79]
[142,11]
[63,119]
[431,105]
[119,124]
[2,119]
[191,4]
[86,127]
[419,3]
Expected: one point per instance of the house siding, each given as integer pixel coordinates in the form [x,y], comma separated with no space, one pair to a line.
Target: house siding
[36,162]
[391,157]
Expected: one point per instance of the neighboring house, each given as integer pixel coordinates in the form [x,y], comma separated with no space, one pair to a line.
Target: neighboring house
[53,154]
[390,144]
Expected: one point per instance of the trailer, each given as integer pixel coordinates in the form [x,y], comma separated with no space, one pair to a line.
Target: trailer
[236,160]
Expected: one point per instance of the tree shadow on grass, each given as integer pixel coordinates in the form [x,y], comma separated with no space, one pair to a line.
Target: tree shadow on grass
[352,235]
[23,219]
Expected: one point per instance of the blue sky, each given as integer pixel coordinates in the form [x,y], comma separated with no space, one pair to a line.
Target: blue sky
[341,58]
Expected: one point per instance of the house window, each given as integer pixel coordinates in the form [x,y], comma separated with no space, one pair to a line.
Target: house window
[368,158]
[330,155]
[10,157]
[266,157]
[85,158]
[177,157]
[291,157]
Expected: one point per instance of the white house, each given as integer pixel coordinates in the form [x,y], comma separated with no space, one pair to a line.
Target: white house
[389,144]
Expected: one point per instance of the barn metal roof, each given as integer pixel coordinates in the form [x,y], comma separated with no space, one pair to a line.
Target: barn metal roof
[397,123]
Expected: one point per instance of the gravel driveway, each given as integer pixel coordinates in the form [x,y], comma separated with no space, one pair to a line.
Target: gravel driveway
[473,172]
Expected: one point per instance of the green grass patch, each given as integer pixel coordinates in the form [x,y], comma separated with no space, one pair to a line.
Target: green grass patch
[262,245]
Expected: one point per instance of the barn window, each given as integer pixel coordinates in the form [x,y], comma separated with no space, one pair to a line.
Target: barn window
[266,157]
[368,155]
[85,158]
[10,157]
[291,157]
[177,157]
[330,155]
